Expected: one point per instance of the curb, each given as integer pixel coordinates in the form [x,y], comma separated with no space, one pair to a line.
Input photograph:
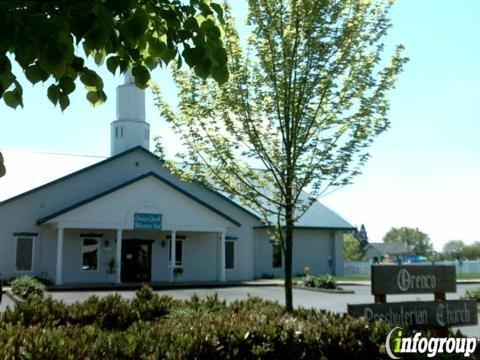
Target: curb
[167,286]
[329,291]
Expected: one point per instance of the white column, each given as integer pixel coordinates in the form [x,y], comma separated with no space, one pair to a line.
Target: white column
[58,277]
[222,256]
[173,248]
[118,258]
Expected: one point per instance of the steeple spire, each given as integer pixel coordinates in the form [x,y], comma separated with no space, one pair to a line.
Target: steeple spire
[130,128]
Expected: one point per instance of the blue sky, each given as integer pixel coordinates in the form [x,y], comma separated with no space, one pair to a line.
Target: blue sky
[424,171]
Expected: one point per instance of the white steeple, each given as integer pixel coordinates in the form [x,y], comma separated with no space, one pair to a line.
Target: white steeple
[130,129]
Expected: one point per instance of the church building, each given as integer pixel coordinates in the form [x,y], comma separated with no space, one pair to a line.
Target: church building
[127,219]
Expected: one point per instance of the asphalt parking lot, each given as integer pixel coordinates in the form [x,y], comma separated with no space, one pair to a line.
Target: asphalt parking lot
[302,298]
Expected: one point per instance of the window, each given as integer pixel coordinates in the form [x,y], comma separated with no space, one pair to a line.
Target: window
[229,255]
[277,256]
[178,252]
[90,247]
[116,131]
[24,254]
[121,131]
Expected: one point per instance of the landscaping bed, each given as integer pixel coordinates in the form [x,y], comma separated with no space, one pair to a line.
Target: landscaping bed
[151,326]
[325,283]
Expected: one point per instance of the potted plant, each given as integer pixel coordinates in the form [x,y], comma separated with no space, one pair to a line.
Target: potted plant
[177,271]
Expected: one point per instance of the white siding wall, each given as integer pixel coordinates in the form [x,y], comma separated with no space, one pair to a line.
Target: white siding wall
[21,215]
[310,248]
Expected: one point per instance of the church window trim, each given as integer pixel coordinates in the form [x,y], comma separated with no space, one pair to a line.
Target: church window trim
[18,239]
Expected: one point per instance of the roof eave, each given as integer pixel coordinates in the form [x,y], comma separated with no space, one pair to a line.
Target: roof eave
[45,219]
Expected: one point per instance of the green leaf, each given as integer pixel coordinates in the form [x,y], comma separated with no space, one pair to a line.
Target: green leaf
[156,47]
[194,55]
[26,55]
[99,57]
[112,64]
[90,78]
[169,54]
[203,69]
[53,93]
[191,24]
[96,37]
[35,73]
[141,75]
[12,99]
[219,10]
[64,102]
[77,63]
[67,84]
[5,65]
[136,25]
[150,62]
[96,97]
[6,79]
[220,55]
[54,56]
[93,97]
[220,74]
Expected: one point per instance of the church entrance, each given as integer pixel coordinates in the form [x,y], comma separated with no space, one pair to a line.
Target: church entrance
[136,260]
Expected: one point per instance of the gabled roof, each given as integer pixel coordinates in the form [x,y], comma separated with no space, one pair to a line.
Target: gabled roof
[106,161]
[391,249]
[81,171]
[132,181]
[317,217]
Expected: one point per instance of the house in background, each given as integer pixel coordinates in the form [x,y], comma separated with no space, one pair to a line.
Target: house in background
[378,252]
[126,218]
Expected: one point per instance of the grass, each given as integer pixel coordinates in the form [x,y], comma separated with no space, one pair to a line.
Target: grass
[460,276]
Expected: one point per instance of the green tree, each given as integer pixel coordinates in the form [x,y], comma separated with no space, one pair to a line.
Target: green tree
[453,249]
[415,240]
[352,251]
[301,106]
[471,252]
[43,38]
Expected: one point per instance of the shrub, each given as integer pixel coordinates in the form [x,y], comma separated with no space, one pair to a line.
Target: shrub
[325,282]
[473,294]
[25,287]
[321,282]
[157,327]
[309,281]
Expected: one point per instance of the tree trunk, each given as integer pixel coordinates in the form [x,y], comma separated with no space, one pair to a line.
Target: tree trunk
[288,254]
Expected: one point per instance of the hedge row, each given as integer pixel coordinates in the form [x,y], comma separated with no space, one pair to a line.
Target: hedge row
[156,327]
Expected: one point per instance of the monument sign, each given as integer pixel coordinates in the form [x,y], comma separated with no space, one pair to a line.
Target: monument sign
[414,279]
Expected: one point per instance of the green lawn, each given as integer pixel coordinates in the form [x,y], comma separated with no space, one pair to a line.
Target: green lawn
[460,276]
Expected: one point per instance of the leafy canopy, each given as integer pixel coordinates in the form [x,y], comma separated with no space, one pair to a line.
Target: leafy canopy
[352,251]
[302,105]
[43,37]
[415,240]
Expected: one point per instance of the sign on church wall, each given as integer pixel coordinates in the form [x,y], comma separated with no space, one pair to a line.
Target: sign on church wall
[146,221]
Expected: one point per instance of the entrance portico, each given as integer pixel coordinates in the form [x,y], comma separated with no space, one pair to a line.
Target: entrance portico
[127,235]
